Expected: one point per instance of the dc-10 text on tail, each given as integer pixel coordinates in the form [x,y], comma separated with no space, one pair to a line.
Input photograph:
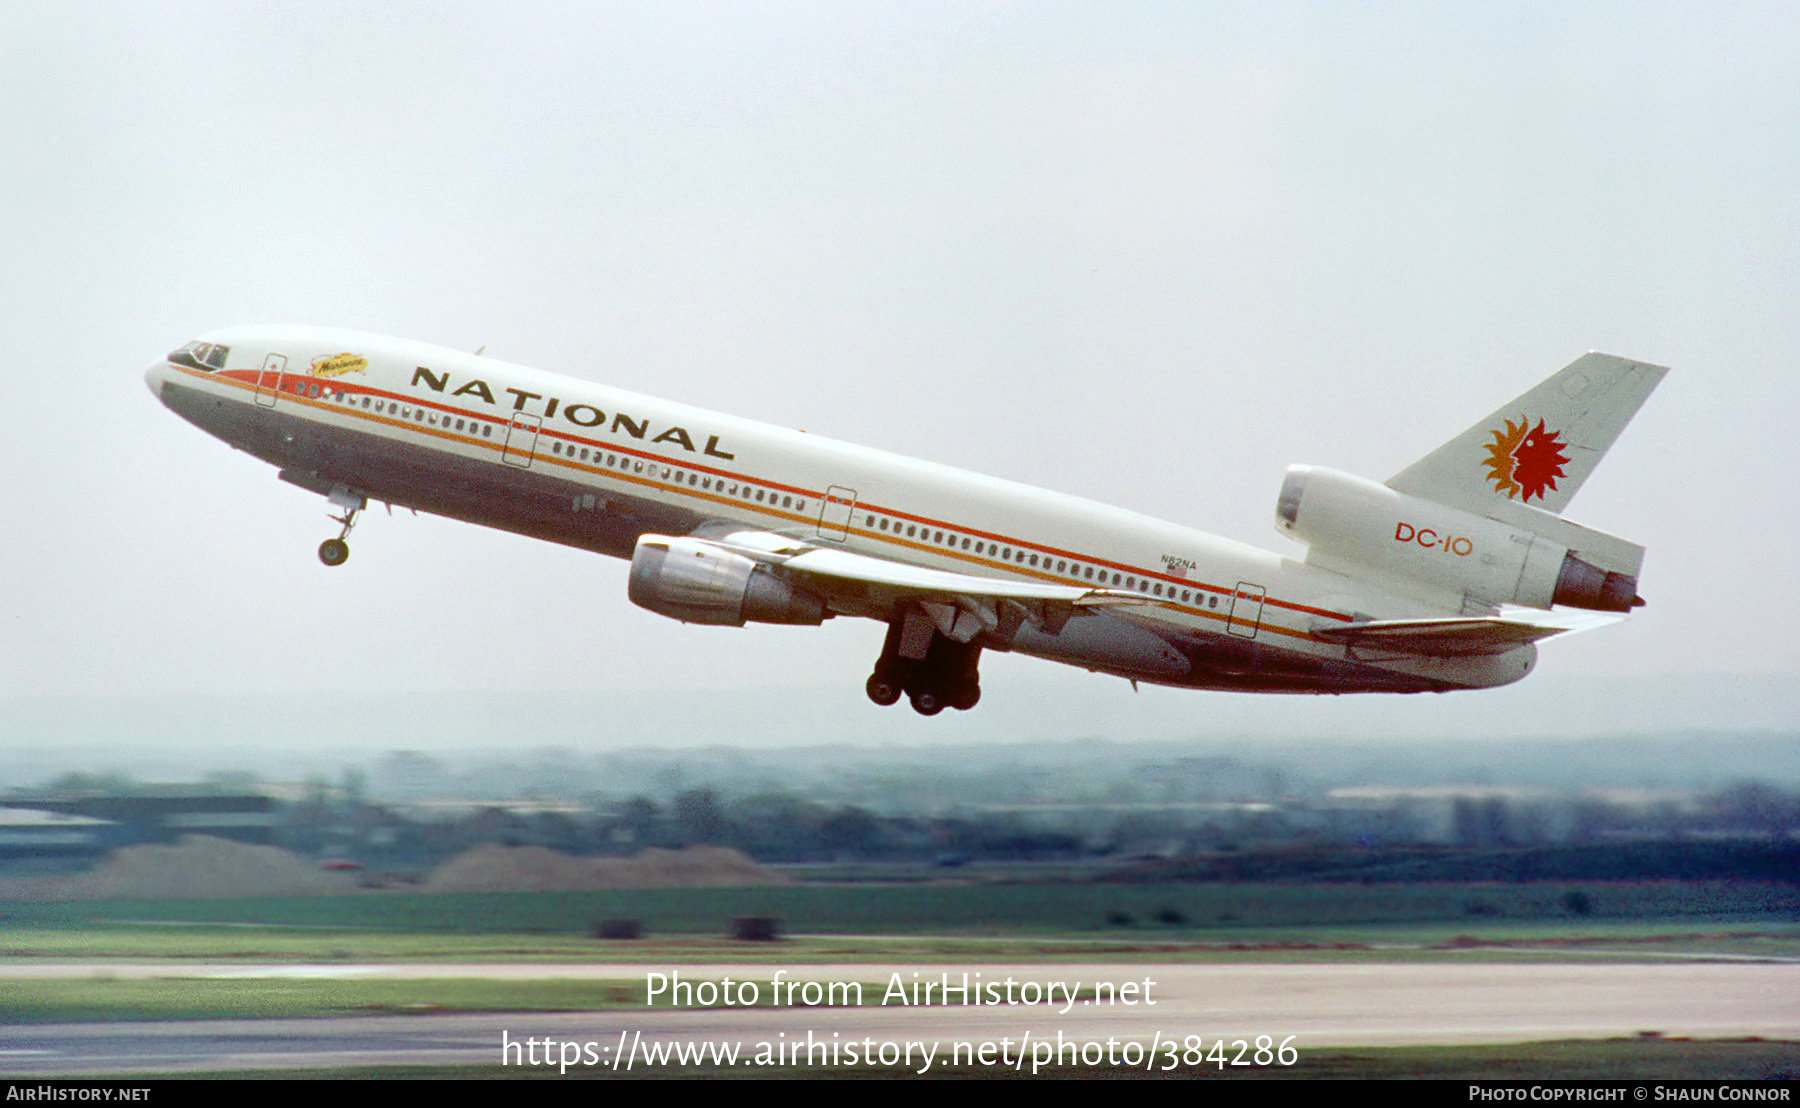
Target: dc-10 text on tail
[1441,578]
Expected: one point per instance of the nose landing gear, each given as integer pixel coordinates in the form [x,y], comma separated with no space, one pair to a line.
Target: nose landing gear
[335,552]
[931,671]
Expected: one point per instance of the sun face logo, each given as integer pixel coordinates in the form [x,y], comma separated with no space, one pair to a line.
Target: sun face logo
[1525,461]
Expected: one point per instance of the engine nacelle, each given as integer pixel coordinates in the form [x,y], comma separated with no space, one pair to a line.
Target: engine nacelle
[696,581]
[1356,523]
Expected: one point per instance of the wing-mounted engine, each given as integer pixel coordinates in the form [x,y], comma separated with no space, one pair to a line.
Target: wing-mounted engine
[1529,557]
[696,581]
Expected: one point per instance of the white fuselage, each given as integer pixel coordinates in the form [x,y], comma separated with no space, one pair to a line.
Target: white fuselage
[574,462]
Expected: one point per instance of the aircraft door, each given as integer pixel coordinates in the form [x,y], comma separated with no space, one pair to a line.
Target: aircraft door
[268,381]
[1246,610]
[835,512]
[521,440]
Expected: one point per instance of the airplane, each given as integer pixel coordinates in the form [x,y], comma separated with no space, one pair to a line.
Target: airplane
[1441,578]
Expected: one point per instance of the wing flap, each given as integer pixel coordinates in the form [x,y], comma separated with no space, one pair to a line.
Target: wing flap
[943,584]
[861,584]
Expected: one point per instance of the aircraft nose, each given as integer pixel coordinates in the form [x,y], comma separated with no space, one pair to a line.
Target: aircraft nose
[154,378]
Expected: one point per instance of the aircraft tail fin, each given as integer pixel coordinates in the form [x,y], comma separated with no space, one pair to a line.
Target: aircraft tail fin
[1539,449]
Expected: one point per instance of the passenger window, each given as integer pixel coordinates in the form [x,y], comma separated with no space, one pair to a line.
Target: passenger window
[965,544]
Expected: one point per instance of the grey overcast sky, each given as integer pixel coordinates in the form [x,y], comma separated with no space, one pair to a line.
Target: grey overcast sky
[1149,254]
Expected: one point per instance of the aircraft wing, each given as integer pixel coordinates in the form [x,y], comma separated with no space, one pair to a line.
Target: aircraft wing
[962,604]
[1461,635]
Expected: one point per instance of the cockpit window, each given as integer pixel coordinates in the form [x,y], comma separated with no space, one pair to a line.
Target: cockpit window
[202,355]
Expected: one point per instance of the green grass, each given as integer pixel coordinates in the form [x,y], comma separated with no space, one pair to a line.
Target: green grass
[99,999]
[1031,909]
[1462,941]
[170,998]
[1605,1059]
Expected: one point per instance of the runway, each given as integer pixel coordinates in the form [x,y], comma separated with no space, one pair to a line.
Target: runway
[1171,1005]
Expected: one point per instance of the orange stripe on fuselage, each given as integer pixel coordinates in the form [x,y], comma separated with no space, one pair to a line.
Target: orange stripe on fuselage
[250,378]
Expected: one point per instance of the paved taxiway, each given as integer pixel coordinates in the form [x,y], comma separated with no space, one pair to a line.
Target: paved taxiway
[1322,1005]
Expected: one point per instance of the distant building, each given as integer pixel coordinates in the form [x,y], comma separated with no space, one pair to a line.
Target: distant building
[163,815]
[37,833]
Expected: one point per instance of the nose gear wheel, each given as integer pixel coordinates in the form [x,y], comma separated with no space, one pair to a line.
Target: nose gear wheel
[335,552]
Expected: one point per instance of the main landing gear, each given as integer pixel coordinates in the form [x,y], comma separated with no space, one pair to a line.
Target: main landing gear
[335,552]
[932,671]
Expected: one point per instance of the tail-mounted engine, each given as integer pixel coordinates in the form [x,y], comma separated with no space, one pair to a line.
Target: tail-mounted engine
[696,581]
[1368,530]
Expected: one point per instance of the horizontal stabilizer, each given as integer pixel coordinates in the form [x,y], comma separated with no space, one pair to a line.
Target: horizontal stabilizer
[1461,635]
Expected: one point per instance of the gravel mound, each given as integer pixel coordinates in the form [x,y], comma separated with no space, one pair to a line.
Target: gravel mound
[197,866]
[493,869]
